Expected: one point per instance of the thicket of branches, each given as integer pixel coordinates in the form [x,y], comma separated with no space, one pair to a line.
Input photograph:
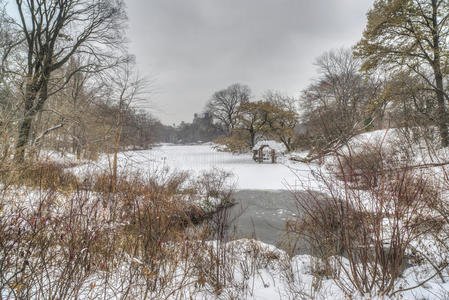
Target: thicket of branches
[66,81]
[381,206]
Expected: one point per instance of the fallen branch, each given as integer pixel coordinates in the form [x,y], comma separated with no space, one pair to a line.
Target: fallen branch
[47,132]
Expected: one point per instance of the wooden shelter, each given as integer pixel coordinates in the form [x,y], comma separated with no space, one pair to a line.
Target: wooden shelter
[268,151]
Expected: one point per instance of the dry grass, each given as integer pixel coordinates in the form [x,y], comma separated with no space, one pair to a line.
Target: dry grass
[65,239]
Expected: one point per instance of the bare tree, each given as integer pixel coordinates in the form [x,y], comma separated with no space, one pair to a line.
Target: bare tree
[342,84]
[335,105]
[51,32]
[73,108]
[128,88]
[224,105]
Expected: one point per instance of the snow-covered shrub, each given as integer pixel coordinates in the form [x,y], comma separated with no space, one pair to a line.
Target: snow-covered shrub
[363,166]
[215,185]
[362,232]
[65,239]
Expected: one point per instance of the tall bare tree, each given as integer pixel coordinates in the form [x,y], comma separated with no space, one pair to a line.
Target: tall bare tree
[224,104]
[342,86]
[339,95]
[336,105]
[127,89]
[52,32]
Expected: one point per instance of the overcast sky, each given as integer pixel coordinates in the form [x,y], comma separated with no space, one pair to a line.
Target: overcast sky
[191,48]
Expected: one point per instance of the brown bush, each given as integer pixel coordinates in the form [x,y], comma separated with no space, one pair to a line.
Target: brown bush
[364,167]
[370,216]
[62,239]
[42,174]
[322,225]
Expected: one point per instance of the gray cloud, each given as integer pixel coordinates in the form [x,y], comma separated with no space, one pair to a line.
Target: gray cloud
[192,48]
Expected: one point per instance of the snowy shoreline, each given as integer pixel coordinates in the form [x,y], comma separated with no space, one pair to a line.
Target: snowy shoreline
[275,178]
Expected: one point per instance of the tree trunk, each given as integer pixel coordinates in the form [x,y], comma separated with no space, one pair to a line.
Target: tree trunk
[118,134]
[22,141]
[252,137]
[286,142]
[115,158]
[25,125]
[31,109]
[442,112]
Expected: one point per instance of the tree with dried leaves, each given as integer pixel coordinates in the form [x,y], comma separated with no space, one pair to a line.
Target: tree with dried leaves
[251,120]
[411,35]
[281,117]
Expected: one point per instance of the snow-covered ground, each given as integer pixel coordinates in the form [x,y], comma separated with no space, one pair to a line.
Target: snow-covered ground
[248,175]
[272,281]
[280,277]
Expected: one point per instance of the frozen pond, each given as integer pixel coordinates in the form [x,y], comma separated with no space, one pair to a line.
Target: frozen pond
[248,175]
[263,196]
[261,214]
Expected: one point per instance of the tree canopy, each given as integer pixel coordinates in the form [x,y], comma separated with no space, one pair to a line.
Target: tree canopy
[413,36]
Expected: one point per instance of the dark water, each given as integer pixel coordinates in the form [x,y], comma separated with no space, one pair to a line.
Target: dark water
[261,215]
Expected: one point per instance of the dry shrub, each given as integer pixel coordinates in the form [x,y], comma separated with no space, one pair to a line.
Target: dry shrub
[215,184]
[303,141]
[322,225]
[49,249]
[217,264]
[371,214]
[92,152]
[411,188]
[61,239]
[364,166]
[42,174]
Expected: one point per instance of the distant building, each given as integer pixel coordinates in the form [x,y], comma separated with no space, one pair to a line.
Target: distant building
[204,119]
[268,151]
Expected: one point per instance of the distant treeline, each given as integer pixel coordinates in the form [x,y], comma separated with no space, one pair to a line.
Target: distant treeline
[202,129]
